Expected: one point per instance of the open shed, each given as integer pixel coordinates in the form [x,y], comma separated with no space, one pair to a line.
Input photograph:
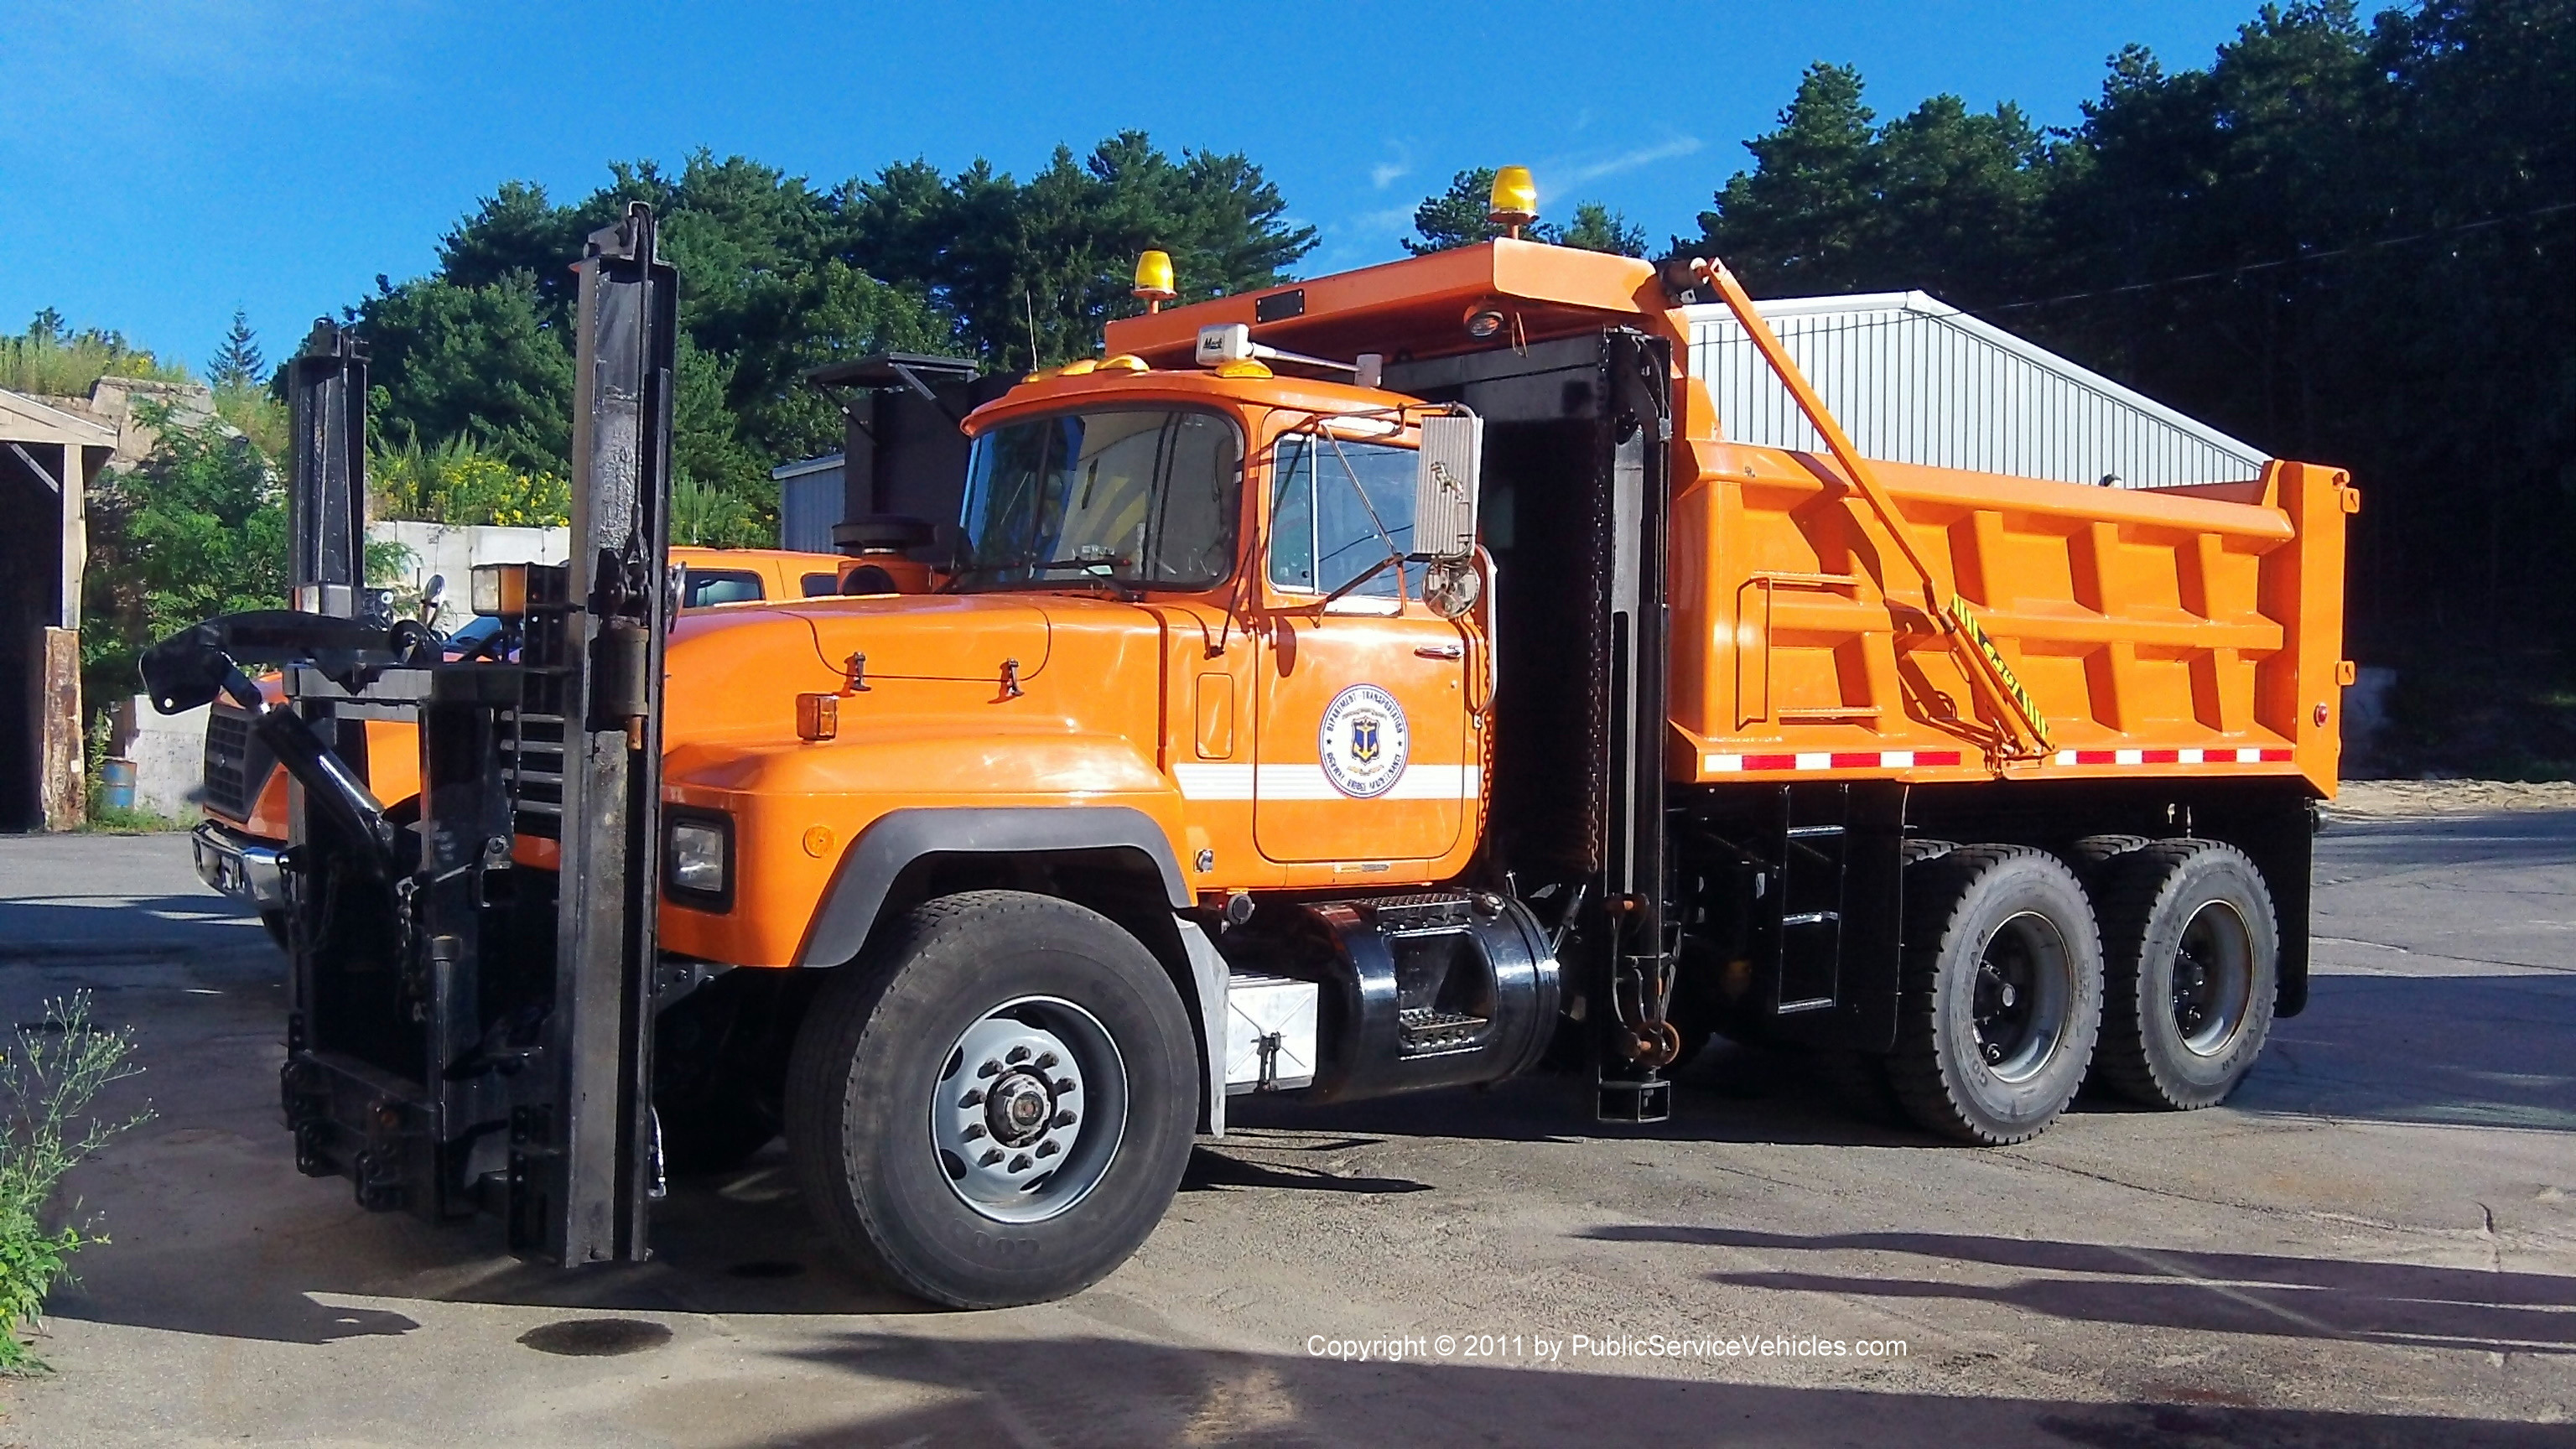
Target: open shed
[48,459]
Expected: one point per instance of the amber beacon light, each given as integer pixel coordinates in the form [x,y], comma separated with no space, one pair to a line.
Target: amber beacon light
[1514,202]
[1154,279]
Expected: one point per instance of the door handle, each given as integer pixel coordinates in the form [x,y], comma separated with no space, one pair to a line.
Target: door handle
[1438,651]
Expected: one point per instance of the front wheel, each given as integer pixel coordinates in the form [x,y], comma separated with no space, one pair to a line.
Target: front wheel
[994,1106]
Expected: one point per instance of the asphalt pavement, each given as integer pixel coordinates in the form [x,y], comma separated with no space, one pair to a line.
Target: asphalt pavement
[2373,1243]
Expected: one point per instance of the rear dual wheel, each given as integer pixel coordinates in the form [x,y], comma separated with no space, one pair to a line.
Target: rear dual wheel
[2001,993]
[2192,950]
[994,1105]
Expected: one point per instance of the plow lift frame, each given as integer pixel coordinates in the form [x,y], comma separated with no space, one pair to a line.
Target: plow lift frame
[468,1029]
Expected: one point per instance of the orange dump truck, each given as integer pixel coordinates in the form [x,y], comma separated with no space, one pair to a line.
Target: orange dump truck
[1379,682]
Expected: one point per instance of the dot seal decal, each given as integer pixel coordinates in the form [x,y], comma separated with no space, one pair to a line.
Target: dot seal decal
[1363,743]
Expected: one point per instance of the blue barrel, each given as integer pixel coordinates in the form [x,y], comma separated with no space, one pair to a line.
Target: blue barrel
[116,783]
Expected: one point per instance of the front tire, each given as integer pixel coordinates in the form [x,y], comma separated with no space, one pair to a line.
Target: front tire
[2002,993]
[993,1106]
[2192,951]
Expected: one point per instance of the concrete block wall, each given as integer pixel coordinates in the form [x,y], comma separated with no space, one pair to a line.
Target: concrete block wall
[169,755]
[453,550]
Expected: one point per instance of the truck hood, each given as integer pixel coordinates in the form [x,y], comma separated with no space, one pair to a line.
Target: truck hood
[733,674]
[932,636]
[935,714]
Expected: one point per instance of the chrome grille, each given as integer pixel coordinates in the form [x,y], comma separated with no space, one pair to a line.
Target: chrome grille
[237,764]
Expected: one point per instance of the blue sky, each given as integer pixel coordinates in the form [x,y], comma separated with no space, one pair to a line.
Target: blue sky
[162,161]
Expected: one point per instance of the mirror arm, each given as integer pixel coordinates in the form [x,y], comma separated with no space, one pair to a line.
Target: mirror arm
[1372,571]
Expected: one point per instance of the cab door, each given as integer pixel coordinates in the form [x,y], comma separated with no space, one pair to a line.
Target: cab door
[1364,751]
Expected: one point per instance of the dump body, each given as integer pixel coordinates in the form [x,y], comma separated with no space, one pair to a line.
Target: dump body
[2190,630]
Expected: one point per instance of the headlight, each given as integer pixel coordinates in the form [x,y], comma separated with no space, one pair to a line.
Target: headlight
[698,860]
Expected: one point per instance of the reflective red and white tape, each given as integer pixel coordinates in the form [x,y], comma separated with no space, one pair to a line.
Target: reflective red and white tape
[2247,755]
[1920,759]
[1837,760]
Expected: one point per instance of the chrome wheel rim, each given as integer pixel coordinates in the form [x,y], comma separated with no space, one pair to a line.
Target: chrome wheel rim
[2213,978]
[1028,1110]
[2025,990]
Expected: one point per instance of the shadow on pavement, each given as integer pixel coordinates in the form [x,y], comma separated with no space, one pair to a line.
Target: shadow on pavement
[1095,1391]
[2475,1051]
[1730,1093]
[148,925]
[2392,1303]
[1213,1169]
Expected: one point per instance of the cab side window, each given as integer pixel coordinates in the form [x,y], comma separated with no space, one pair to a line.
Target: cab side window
[818,585]
[701,587]
[1338,509]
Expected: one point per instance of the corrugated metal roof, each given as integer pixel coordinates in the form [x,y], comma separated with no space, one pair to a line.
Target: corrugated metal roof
[1915,380]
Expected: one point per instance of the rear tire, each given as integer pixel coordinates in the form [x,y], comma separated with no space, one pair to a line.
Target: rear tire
[2192,949]
[2002,993]
[906,1090]
[2095,853]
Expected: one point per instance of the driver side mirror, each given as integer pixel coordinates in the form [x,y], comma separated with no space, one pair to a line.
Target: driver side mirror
[1445,478]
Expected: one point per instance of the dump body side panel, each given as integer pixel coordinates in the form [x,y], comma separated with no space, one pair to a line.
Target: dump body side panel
[2193,630]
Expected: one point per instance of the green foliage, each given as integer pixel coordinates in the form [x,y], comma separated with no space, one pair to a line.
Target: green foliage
[106,819]
[489,361]
[237,364]
[196,530]
[1027,273]
[709,517]
[778,276]
[710,455]
[1596,228]
[2321,243]
[199,529]
[1456,218]
[51,360]
[1943,199]
[50,1077]
[258,415]
[459,482]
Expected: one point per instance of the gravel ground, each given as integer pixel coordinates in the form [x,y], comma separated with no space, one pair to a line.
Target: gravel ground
[2383,799]
[2374,1243]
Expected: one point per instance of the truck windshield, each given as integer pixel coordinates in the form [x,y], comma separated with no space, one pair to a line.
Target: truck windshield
[1134,496]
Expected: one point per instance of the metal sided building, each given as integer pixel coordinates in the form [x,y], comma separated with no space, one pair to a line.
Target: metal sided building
[1915,380]
[809,502]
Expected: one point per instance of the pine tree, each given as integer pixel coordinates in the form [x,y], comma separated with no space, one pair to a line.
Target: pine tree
[238,364]
[1596,228]
[1458,217]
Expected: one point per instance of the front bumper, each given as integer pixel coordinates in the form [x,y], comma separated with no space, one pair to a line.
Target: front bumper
[239,865]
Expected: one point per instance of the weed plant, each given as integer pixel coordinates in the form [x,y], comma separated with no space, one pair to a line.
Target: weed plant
[51,1074]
